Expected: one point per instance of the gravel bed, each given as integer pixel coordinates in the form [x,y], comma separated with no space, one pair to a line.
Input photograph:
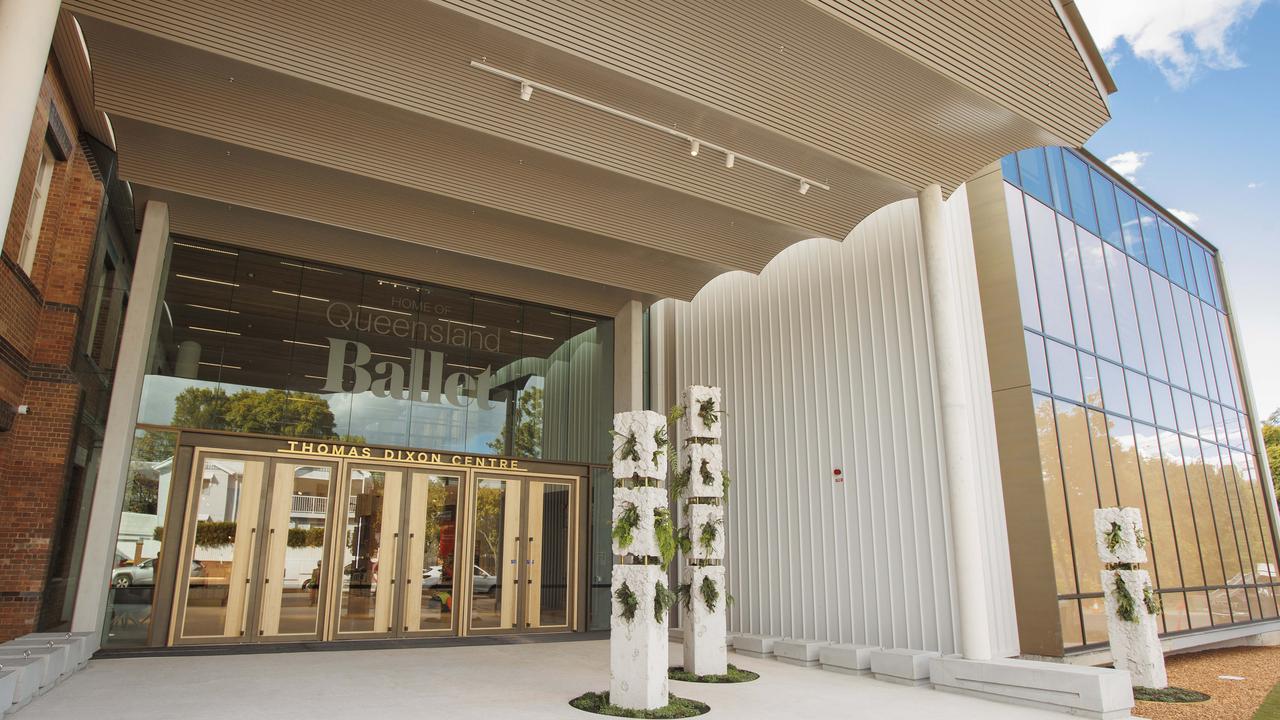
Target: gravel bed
[1230,699]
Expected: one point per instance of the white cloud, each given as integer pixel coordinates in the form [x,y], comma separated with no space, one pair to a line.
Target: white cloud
[1185,216]
[1128,163]
[1254,185]
[1181,37]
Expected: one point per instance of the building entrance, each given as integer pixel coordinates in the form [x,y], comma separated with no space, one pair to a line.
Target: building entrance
[279,548]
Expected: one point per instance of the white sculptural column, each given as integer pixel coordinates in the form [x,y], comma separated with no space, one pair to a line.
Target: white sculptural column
[638,642]
[26,32]
[704,479]
[1131,601]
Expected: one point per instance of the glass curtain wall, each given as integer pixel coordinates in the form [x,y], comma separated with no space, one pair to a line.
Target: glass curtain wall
[1137,398]
[257,343]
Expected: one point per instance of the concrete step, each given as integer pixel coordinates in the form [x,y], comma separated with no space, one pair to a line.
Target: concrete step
[799,652]
[759,646]
[902,666]
[847,658]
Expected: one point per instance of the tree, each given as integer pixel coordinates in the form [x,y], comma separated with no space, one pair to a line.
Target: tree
[490,504]
[142,494]
[154,446]
[254,411]
[1271,438]
[204,408]
[275,411]
[526,438]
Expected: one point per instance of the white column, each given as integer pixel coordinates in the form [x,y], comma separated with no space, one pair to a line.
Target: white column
[122,415]
[957,431]
[628,358]
[26,32]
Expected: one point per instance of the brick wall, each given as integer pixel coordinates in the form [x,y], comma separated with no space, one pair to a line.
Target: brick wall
[38,325]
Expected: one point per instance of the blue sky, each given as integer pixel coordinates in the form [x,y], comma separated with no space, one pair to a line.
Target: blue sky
[1195,124]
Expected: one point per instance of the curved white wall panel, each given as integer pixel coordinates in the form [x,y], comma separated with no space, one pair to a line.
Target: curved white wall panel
[826,362]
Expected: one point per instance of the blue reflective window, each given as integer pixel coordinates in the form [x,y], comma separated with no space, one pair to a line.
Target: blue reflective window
[1058,181]
[1036,363]
[1204,274]
[1212,267]
[1184,251]
[1009,168]
[1140,397]
[1081,195]
[1129,225]
[1064,370]
[1104,198]
[1169,241]
[1115,397]
[1151,239]
[1035,174]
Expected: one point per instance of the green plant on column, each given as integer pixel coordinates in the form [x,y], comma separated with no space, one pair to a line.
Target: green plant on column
[703,482]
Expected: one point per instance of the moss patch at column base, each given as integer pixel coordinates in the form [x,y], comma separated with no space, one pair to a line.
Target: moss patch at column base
[676,707]
[1168,695]
[735,675]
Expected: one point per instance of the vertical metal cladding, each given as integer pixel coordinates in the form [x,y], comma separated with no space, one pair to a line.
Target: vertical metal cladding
[827,358]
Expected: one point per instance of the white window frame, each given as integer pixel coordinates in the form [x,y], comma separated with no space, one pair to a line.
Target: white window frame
[35,211]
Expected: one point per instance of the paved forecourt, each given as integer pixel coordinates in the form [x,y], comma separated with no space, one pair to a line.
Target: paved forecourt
[527,681]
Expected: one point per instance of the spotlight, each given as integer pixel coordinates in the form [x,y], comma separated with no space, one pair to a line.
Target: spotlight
[728,160]
[804,187]
[694,147]
[526,91]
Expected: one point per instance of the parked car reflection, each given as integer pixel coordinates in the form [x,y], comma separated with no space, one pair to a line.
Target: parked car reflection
[144,573]
[483,581]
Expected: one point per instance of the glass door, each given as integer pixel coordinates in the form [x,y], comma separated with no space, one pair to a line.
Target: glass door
[255,549]
[370,525]
[523,540]
[219,548]
[431,521]
[549,564]
[294,566]
[496,534]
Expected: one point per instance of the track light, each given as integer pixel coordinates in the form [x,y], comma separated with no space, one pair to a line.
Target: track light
[695,146]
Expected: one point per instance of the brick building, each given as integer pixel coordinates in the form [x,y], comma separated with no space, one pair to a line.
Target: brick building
[58,332]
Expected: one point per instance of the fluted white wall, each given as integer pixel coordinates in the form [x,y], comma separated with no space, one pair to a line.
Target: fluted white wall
[825,360]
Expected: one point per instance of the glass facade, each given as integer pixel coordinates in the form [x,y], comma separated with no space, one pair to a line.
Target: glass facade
[1137,398]
[256,343]
[261,344]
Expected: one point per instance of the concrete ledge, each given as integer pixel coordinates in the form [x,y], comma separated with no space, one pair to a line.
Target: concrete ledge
[9,690]
[799,652]
[77,648]
[848,659]
[48,668]
[905,667]
[1091,692]
[759,646]
[26,676]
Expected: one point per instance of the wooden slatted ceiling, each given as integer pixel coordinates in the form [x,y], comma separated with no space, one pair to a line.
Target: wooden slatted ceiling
[782,66]
[75,70]
[254,229]
[768,59]
[381,94]
[192,165]
[1016,52]
[178,87]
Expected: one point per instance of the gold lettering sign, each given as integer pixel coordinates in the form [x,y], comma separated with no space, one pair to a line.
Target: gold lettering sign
[420,457]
